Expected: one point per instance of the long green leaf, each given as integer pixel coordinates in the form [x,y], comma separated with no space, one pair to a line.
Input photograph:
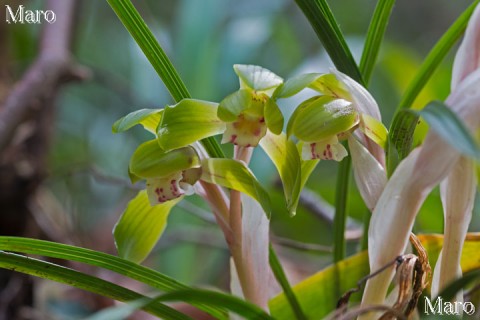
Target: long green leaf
[235,175]
[140,227]
[134,23]
[83,281]
[283,281]
[98,259]
[318,294]
[435,56]
[375,33]
[321,18]
[340,218]
[447,125]
[217,299]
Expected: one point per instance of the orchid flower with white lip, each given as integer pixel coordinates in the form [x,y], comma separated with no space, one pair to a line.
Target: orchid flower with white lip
[432,163]
[321,122]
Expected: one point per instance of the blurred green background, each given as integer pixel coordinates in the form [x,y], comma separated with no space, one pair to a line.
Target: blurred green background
[88,184]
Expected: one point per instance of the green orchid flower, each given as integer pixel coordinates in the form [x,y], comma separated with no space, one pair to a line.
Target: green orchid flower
[323,121]
[250,111]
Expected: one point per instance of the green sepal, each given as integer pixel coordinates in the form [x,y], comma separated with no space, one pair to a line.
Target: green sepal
[187,122]
[234,104]
[285,157]
[235,175]
[296,112]
[257,78]
[150,161]
[148,118]
[133,177]
[295,85]
[307,166]
[329,85]
[140,227]
[322,118]
[273,116]
[374,129]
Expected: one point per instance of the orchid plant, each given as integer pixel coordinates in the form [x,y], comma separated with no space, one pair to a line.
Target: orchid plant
[340,121]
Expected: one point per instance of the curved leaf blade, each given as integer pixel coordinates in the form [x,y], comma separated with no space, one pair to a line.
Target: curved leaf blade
[188,121]
[135,25]
[217,299]
[148,118]
[140,227]
[435,56]
[118,265]
[83,281]
[235,175]
[447,125]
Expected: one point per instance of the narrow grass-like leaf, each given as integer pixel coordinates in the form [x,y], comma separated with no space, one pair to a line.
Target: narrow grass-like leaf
[447,125]
[82,281]
[451,290]
[340,218]
[283,281]
[321,18]
[134,23]
[188,121]
[435,56]
[101,260]
[140,227]
[318,294]
[148,118]
[284,155]
[235,175]
[217,299]
[375,33]
[119,312]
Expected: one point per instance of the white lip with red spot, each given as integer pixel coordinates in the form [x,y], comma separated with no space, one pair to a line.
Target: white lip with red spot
[246,131]
[163,189]
[328,149]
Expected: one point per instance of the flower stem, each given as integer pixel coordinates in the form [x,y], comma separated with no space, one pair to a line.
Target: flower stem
[245,275]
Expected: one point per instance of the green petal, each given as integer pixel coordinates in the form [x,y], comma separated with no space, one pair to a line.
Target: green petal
[273,116]
[285,157]
[374,129]
[188,121]
[329,85]
[295,85]
[235,175]
[234,104]
[323,118]
[150,161]
[140,227]
[148,118]
[256,78]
